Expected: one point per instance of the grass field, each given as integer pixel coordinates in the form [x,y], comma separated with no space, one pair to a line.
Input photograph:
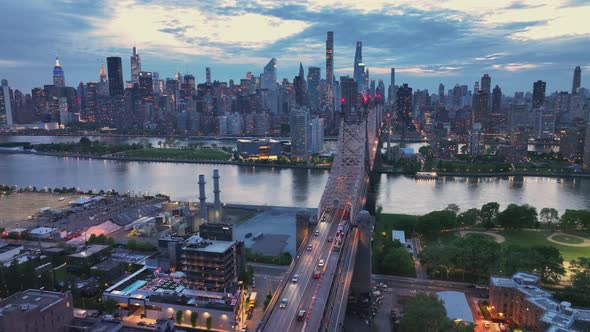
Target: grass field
[567,239]
[533,238]
[179,154]
[481,234]
[389,222]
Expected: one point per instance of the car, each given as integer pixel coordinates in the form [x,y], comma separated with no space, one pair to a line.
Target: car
[316,233]
[295,279]
[141,323]
[317,274]
[323,219]
[330,239]
[248,235]
[283,304]
[151,325]
[321,262]
[487,324]
[301,315]
[309,247]
[245,329]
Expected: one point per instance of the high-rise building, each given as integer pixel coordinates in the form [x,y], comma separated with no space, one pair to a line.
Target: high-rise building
[316,135]
[348,94]
[359,70]
[135,66]
[102,73]
[6,114]
[586,158]
[538,94]
[404,105]
[269,76]
[441,93]
[115,70]
[208,75]
[146,85]
[298,121]
[300,93]
[577,80]
[480,106]
[496,99]
[391,91]
[330,58]
[486,83]
[313,87]
[59,79]
[546,123]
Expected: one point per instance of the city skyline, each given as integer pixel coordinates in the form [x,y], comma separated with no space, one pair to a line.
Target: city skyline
[446,43]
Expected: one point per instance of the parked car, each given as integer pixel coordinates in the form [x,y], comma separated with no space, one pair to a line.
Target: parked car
[248,235]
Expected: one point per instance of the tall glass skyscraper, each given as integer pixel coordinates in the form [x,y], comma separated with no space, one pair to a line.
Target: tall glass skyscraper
[115,70]
[577,80]
[135,66]
[59,79]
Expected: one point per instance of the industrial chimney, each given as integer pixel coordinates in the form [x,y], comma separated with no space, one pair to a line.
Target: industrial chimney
[202,202]
[217,202]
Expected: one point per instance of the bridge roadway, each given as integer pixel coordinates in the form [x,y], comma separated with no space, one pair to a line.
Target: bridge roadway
[308,294]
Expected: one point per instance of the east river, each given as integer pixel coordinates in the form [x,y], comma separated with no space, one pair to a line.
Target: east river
[282,187]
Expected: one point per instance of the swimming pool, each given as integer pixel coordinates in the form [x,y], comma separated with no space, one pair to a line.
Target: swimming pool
[133,287]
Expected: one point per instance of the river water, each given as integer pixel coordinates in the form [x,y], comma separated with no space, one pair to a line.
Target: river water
[283,187]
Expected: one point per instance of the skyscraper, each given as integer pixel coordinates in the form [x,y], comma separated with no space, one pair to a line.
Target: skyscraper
[298,121]
[391,91]
[538,94]
[577,80]
[313,87]
[496,99]
[102,73]
[115,70]
[6,114]
[146,85]
[404,105]
[316,135]
[441,93]
[59,79]
[480,106]
[269,76]
[300,93]
[302,73]
[330,58]
[359,73]
[348,94]
[208,75]
[486,83]
[135,66]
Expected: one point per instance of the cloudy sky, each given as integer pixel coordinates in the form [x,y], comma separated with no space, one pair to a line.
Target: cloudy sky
[428,42]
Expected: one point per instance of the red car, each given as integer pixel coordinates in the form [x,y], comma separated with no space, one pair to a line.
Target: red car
[317,274]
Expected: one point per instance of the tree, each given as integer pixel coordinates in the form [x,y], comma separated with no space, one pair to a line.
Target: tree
[489,212]
[574,218]
[194,318]
[179,317]
[548,216]
[548,263]
[424,313]
[453,208]
[397,261]
[579,291]
[518,217]
[209,323]
[469,217]
[110,305]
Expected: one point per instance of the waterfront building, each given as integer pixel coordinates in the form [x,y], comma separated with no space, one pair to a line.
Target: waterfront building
[298,122]
[316,131]
[6,113]
[259,149]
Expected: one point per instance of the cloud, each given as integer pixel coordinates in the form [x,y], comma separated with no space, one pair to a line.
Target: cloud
[514,66]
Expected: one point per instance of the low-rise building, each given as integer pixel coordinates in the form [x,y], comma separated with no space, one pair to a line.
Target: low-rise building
[88,256]
[36,310]
[44,233]
[521,300]
[259,149]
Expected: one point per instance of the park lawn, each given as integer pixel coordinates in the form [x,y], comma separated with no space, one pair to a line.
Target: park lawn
[388,222]
[179,154]
[526,238]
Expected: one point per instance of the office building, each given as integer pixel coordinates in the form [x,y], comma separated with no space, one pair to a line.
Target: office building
[404,105]
[37,310]
[520,299]
[577,80]
[546,123]
[135,66]
[359,67]
[269,77]
[496,99]
[313,87]
[441,93]
[349,95]
[586,159]
[391,91]
[298,122]
[486,84]
[146,86]
[480,106]
[538,94]
[115,70]
[208,76]
[212,265]
[59,79]
[300,93]
[316,133]
[330,58]
[571,141]
[216,231]
[6,113]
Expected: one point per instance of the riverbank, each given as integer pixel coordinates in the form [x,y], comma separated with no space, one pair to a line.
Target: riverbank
[492,175]
[159,160]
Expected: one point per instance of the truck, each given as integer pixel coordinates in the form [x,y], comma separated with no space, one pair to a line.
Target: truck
[253,299]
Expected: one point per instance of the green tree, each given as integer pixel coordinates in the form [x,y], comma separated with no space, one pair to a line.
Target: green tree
[489,212]
[469,217]
[579,291]
[110,305]
[194,318]
[453,208]
[209,323]
[548,216]
[424,313]
[179,317]
[574,218]
[518,217]
[548,263]
[397,261]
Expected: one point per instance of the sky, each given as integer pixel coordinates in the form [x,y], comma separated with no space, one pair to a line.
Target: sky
[428,42]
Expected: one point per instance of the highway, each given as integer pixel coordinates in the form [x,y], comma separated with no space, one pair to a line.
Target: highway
[302,295]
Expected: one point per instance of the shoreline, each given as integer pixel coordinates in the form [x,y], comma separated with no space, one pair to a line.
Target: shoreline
[492,175]
[157,160]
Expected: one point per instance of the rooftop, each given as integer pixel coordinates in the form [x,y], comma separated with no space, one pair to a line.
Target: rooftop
[43,230]
[31,299]
[456,305]
[89,250]
[197,243]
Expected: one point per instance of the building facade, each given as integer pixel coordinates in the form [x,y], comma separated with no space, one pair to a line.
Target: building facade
[37,310]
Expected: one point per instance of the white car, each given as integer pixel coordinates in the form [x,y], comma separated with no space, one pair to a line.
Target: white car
[321,262]
[283,304]
[316,233]
[309,247]
[295,278]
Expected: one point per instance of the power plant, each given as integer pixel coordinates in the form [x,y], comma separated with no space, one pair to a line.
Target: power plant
[214,215]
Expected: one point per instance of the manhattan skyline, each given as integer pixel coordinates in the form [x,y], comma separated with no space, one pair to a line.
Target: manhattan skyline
[428,43]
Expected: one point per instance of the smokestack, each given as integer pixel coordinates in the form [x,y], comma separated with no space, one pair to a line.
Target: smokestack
[217,202]
[203,203]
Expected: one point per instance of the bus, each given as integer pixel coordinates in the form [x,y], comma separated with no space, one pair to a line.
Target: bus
[253,299]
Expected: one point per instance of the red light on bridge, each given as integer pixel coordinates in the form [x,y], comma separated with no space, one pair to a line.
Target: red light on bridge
[358,234]
[342,100]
